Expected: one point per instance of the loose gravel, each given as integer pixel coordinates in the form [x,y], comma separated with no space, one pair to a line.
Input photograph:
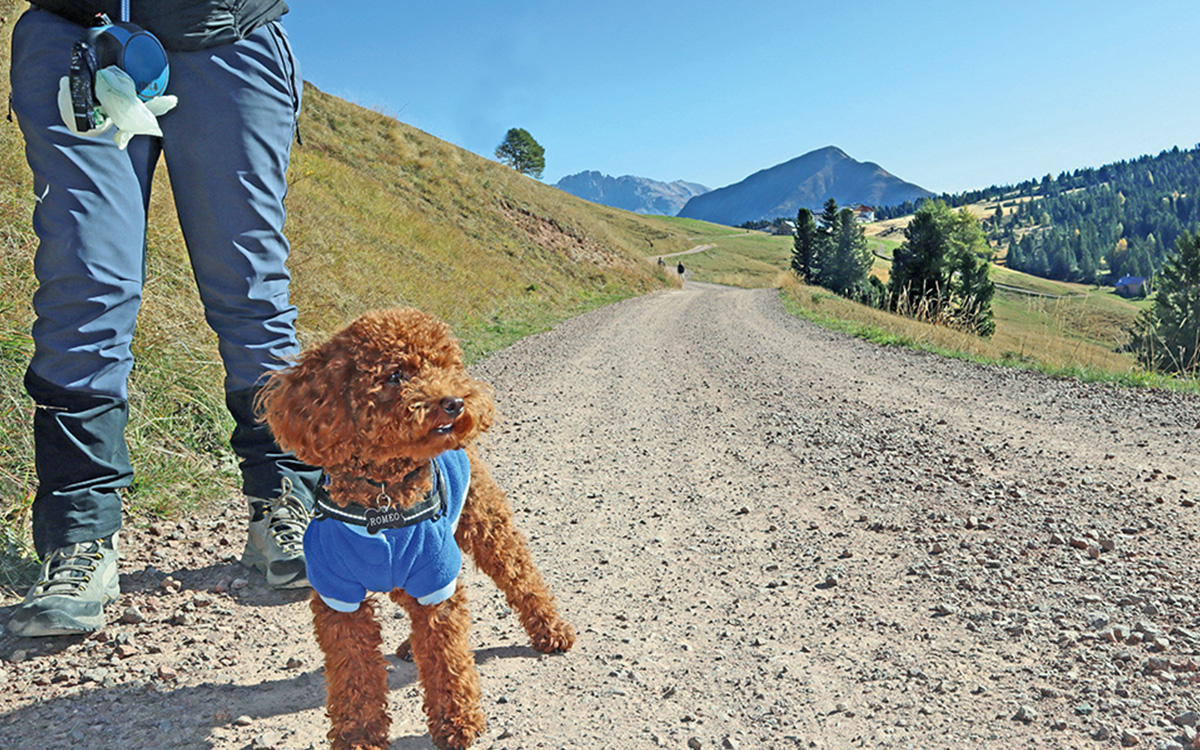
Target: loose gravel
[768,535]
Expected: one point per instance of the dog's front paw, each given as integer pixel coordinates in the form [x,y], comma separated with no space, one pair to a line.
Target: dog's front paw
[458,732]
[553,637]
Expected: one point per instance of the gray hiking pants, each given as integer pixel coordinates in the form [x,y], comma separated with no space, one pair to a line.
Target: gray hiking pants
[227,146]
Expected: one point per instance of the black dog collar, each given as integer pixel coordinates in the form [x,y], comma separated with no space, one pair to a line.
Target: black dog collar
[375,519]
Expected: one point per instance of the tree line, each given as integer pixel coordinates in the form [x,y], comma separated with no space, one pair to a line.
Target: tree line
[832,252]
[1092,225]
[939,273]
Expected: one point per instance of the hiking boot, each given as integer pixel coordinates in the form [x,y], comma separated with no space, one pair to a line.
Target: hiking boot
[76,582]
[275,543]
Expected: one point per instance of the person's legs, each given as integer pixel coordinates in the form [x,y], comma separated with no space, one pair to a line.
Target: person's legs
[227,146]
[90,264]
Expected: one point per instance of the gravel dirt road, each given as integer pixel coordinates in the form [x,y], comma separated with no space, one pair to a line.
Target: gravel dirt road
[767,535]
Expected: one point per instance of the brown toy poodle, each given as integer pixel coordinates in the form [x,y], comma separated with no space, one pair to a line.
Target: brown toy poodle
[388,410]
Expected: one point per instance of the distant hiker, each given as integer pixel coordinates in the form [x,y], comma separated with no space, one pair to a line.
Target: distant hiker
[661,263]
[227,143]
[679,269]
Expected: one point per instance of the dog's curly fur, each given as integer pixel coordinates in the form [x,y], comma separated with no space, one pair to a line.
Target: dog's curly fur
[378,401]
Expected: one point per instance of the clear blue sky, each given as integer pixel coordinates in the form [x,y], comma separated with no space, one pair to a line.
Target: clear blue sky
[949,95]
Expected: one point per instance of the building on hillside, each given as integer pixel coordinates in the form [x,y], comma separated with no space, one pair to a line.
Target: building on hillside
[865,214]
[1132,286]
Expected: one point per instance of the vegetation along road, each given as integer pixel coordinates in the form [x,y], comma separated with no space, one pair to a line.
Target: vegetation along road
[768,535]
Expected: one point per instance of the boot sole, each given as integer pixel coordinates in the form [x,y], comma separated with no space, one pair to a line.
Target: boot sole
[52,622]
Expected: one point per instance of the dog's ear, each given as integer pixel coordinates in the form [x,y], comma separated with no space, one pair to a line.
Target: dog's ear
[308,407]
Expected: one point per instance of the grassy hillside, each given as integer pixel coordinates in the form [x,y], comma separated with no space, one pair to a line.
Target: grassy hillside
[379,214]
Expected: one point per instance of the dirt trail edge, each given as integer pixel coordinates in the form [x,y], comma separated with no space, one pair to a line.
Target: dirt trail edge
[768,535]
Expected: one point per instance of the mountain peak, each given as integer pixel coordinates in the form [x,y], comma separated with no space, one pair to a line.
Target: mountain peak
[806,181]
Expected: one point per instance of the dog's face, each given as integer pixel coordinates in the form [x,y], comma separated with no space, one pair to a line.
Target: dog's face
[389,387]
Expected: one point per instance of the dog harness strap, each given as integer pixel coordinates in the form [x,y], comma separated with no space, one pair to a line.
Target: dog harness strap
[431,506]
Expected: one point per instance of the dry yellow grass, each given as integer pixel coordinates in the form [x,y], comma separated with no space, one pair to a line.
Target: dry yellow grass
[1043,343]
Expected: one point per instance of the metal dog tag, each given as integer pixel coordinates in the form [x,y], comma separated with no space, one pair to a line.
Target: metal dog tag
[384,518]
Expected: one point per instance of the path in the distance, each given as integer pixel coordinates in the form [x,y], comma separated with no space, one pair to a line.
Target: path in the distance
[690,251]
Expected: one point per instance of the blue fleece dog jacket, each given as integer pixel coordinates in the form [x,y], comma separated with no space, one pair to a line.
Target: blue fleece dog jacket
[345,562]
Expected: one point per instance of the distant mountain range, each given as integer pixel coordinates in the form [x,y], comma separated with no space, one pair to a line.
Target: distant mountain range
[778,192]
[637,194]
[804,182]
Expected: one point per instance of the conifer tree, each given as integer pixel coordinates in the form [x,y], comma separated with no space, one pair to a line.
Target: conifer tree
[940,272]
[1167,336]
[521,152]
[849,255]
[805,246]
[829,217]
[920,280]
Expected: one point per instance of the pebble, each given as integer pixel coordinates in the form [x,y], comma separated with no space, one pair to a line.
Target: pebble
[132,615]
[1027,714]
[96,674]
[1158,643]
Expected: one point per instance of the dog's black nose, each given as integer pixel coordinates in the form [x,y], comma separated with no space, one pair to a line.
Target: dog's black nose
[452,405]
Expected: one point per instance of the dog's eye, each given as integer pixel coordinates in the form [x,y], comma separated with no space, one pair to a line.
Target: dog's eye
[397,377]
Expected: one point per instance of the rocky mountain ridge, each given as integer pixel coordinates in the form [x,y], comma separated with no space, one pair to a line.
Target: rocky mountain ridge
[638,194]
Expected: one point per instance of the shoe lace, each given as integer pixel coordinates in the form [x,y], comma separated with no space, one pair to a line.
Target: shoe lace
[288,518]
[69,569]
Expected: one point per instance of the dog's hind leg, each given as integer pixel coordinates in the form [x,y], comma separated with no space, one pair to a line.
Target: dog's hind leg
[487,532]
[446,668]
[355,676]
